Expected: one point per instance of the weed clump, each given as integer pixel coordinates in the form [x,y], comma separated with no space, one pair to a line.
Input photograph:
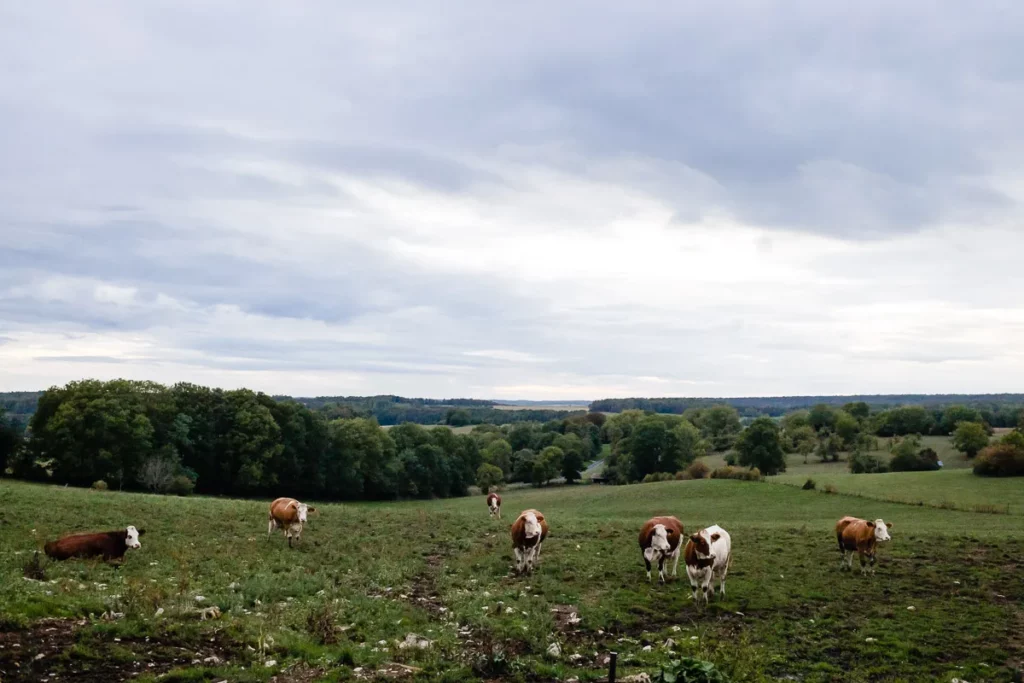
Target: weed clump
[830,488]
[730,472]
[809,485]
[100,485]
[33,569]
[322,624]
[698,469]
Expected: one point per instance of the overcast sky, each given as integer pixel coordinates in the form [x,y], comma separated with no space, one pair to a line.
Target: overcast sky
[543,200]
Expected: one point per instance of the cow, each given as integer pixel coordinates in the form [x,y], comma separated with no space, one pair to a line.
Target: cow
[528,534]
[288,514]
[660,539]
[860,536]
[708,554]
[494,505]
[110,545]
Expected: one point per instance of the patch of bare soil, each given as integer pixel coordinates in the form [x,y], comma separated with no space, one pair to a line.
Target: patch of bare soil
[46,651]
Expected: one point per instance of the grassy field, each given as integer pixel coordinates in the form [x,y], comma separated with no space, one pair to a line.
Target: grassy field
[367,576]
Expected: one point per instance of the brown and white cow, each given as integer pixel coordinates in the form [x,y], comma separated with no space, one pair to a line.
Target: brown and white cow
[494,505]
[110,545]
[528,534]
[660,539]
[708,555]
[288,514]
[860,536]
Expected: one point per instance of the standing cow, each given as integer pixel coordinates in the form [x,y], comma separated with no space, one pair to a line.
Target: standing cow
[528,534]
[708,554]
[660,540]
[860,536]
[288,514]
[110,545]
[494,505]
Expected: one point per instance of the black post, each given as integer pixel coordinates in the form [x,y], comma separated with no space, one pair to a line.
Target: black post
[611,667]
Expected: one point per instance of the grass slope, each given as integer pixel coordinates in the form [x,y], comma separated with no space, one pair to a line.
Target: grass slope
[366,576]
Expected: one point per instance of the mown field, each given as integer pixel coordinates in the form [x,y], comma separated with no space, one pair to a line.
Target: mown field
[946,601]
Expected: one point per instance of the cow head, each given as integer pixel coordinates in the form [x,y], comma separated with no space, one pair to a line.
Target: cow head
[700,544]
[881,530]
[303,509]
[659,538]
[131,537]
[531,527]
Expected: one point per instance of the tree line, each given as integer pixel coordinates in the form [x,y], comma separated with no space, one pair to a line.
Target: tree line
[997,410]
[146,436]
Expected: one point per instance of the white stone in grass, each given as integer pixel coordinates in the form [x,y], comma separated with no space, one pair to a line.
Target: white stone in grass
[554,650]
[911,608]
[270,663]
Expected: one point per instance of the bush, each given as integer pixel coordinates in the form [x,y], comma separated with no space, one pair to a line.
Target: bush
[658,476]
[100,485]
[729,472]
[864,463]
[1001,460]
[181,485]
[908,457]
[810,485]
[830,488]
[698,469]
[683,476]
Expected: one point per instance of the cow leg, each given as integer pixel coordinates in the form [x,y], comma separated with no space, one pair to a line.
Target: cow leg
[675,565]
[661,567]
[499,513]
[721,580]
[872,563]
[270,527]
[863,563]
[519,559]
[648,563]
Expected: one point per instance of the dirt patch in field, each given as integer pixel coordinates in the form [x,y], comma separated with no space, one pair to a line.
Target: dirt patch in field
[53,649]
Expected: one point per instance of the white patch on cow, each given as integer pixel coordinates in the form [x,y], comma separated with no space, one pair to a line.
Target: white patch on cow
[303,509]
[531,527]
[659,538]
[132,538]
[881,532]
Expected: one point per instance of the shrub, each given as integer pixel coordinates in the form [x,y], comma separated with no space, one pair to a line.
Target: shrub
[683,476]
[658,476]
[729,472]
[864,463]
[1001,460]
[1014,438]
[906,457]
[723,472]
[690,670]
[830,488]
[100,485]
[181,485]
[698,469]
[809,485]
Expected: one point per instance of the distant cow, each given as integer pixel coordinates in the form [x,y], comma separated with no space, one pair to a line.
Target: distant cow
[494,505]
[862,537]
[660,539]
[708,554]
[110,545]
[288,514]
[528,534]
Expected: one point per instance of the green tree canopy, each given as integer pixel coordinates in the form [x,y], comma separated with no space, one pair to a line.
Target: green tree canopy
[759,446]
[969,438]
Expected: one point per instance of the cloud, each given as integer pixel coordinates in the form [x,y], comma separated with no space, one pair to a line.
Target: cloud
[529,200]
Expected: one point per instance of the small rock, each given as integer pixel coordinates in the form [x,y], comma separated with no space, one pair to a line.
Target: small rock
[676,629]
[413,641]
[647,648]
[637,678]
[669,644]
[212,659]
[270,662]
[911,608]
[575,658]
[554,650]
[200,598]
[871,640]
[39,656]
[159,612]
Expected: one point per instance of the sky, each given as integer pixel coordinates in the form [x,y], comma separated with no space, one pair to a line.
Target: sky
[524,200]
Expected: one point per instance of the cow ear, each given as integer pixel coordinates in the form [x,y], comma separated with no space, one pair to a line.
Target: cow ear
[695,538]
[311,509]
[871,524]
[888,525]
[141,531]
[715,537]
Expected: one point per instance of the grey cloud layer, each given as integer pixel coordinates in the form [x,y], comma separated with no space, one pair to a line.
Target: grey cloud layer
[203,157]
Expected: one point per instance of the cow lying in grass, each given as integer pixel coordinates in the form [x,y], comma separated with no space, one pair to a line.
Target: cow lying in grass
[862,537]
[660,540]
[110,545]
